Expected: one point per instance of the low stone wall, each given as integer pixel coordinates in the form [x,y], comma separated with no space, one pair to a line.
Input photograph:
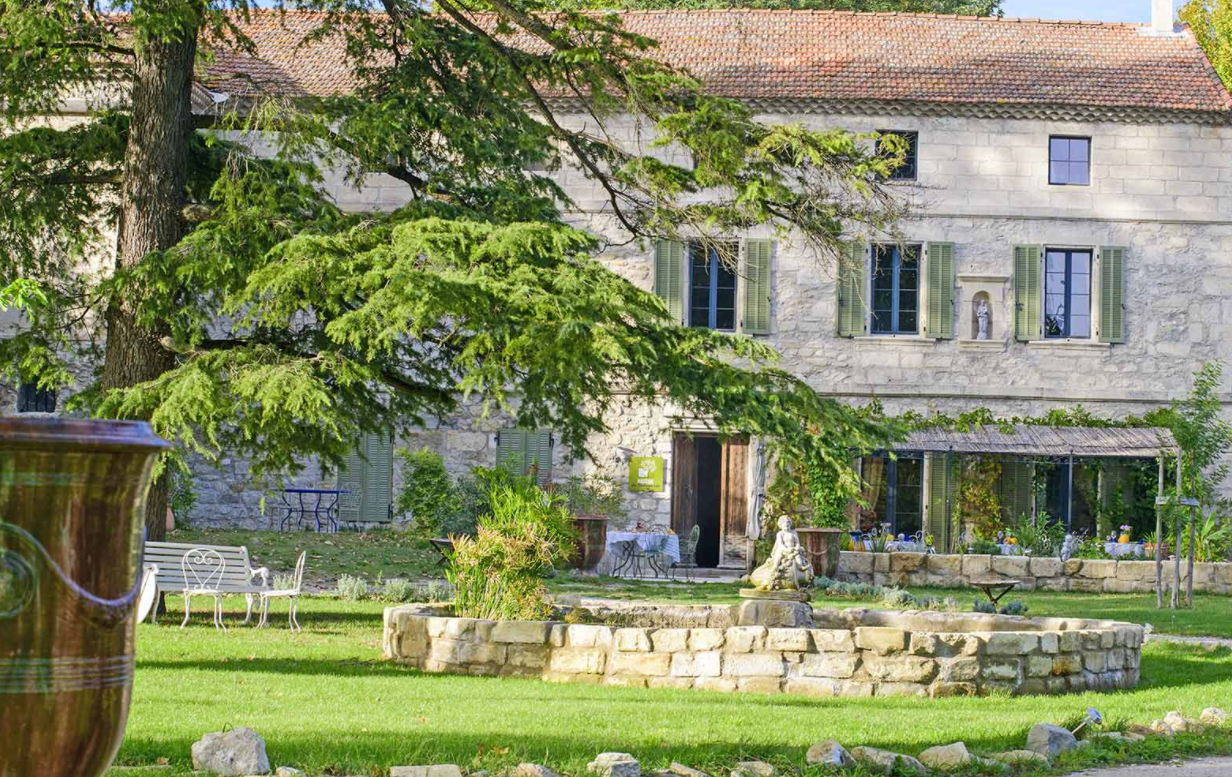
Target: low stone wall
[1044,574]
[847,653]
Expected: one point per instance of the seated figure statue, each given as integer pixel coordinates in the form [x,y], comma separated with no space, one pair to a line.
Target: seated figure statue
[787,569]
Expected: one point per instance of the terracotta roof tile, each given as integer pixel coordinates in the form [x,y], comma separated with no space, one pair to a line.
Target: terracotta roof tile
[842,56]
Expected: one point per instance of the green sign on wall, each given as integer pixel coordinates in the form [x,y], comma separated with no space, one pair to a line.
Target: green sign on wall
[646,473]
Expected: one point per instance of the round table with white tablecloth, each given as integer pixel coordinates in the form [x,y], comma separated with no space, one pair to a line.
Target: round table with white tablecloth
[621,544]
[1118,549]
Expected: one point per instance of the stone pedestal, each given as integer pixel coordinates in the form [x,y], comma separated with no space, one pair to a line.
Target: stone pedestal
[775,613]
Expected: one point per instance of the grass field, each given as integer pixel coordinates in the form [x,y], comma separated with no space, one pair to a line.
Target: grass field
[326,702]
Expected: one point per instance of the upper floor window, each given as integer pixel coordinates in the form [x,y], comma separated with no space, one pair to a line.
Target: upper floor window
[712,287]
[32,399]
[896,289]
[1069,161]
[907,171]
[1067,293]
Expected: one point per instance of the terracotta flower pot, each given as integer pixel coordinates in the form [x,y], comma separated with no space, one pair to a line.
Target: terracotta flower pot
[592,540]
[822,546]
[72,506]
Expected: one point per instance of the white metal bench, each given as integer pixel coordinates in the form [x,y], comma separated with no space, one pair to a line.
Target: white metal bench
[239,576]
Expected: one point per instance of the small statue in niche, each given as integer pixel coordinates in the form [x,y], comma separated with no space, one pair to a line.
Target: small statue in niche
[981,317]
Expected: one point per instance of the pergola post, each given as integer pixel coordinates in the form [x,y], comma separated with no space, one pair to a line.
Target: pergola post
[1159,537]
[949,508]
[1069,493]
[1193,517]
[1176,566]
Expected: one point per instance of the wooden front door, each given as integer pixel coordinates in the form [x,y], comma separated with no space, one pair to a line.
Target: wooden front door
[734,504]
[710,490]
[684,484]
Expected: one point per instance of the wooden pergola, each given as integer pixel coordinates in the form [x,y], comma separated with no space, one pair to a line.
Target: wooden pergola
[1069,443]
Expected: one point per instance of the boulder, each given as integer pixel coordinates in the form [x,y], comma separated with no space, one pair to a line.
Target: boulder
[884,761]
[946,757]
[615,765]
[681,770]
[1213,717]
[234,753]
[1162,729]
[1020,758]
[829,753]
[1140,730]
[1183,725]
[753,769]
[287,771]
[1049,740]
[434,770]
[532,770]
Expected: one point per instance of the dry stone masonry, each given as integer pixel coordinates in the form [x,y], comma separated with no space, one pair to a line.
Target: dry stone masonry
[1044,574]
[843,653]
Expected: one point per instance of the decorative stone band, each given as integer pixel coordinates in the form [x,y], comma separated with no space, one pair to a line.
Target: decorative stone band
[64,675]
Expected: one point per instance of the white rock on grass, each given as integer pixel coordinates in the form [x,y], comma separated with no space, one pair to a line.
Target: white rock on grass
[434,770]
[681,770]
[1049,740]
[615,765]
[532,770]
[235,753]
[1213,717]
[884,761]
[946,757]
[753,769]
[829,753]
[1162,729]
[1020,757]
[287,771]
[1183,725]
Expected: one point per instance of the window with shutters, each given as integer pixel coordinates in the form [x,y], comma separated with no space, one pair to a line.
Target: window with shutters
[895,489]
[907,171]
[1069,161]
[526,451]
[896,289]
[32,399]
[712,287]
[1067,293]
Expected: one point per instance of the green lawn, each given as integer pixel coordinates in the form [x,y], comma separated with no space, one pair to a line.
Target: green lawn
[326,702]
[367,554]
[1211,615]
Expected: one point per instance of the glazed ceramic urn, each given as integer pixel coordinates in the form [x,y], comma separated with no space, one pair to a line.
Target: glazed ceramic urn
[72,506]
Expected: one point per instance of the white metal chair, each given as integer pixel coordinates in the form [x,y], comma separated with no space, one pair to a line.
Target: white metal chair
[290,594]
[203,570]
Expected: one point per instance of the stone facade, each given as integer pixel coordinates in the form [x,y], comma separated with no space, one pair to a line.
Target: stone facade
[1044,574]
[849,653]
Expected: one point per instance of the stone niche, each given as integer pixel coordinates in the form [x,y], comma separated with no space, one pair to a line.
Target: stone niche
[989,289]
[852,652]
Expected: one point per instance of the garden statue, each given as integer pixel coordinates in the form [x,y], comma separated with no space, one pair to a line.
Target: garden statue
[981,317]
[787,569]
[1068,547]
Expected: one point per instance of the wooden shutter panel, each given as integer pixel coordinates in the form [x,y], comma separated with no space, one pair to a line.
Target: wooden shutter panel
[511,450]
[851,291]
[351,480]
[1017,490]
[757,287]
[940,320]
[1028,292]
[378,478]
[1112,294]
[539,455]
[939,487]
[669,276]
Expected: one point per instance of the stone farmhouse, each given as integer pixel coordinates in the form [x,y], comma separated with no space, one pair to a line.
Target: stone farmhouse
[1070,242]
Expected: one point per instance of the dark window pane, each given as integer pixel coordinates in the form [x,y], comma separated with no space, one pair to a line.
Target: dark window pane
[725,319]
[908,322]
[32,399]
[907,170]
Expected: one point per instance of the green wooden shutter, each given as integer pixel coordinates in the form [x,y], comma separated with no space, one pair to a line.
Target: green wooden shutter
[851,291]
[368,477]
[669,276]
[351,480]
[939,487]
[940,321]
[511,446]
[539,454]
[1112,294]
[1027,293]
[1017,490]
[757,287]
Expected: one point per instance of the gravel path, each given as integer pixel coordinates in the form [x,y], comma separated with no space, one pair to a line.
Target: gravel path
[1203,767]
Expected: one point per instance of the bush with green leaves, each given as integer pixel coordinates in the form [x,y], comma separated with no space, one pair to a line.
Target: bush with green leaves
[594,495]
[498,574]
[398,590]
[1040,535]
[429,496]
[351,588]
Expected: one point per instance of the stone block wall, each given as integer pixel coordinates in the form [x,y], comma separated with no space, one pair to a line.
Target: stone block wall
[1044,574]
[857,653]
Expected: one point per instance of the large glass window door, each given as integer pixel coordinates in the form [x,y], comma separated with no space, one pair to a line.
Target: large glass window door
[896,491]
[896,290]
[712,289]
[1067,293]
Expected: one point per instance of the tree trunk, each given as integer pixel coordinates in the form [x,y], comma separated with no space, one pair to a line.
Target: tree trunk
[152,201]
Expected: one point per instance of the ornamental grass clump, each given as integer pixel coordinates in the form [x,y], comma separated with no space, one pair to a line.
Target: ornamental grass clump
[498,574]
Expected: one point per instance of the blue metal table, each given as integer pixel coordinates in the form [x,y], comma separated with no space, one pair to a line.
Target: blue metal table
[301,506]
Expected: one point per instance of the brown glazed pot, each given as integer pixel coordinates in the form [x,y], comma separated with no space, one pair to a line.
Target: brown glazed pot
[591,542]
[72,506]
[822,547]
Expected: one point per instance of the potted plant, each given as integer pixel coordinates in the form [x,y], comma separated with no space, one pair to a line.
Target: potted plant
[593,501]
[1124,539]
